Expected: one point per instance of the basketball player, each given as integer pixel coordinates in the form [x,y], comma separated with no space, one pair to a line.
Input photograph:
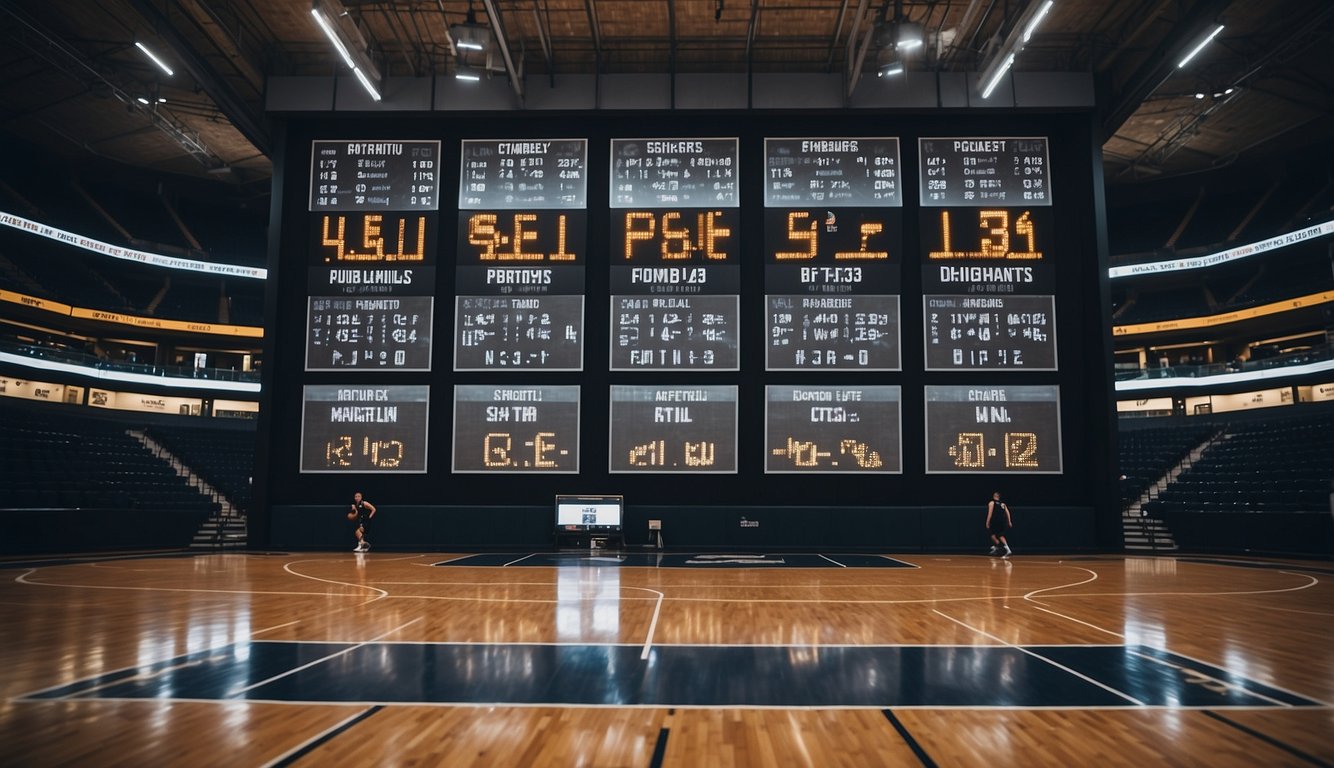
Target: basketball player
[364,510]
[998,522]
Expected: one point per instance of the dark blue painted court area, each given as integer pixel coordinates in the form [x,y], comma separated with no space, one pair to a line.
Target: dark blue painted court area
[707,676]
[660,560]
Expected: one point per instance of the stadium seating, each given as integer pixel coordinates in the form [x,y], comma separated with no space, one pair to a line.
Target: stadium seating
[1148,454]
[224,458]
[59,460]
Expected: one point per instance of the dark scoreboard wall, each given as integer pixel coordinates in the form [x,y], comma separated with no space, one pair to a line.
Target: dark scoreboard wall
[955,338]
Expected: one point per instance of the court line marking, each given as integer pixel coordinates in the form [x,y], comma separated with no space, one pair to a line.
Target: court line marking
[795,646]
[653,624]
[1226,684]
[1314,581]
[512,562]
[323,659]
[1289,691]
[1038,605]
[908,739]
[1065,586]
[299,750]
[211,649]
[22,579]
[288,567]
[790,587]
[1056,664]
[1267,739]
[270,629]
[771,707]
[832,560]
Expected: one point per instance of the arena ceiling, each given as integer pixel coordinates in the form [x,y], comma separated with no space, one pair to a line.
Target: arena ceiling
[72,80]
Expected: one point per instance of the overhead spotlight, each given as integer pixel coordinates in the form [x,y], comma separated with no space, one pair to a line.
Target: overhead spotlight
[1199,95]
[911,36]
[347,39]
[467,74]
[1003,56]
[162,65]
[470,35]
[142,100]
[1229,91]
[1195,51]
[891,68]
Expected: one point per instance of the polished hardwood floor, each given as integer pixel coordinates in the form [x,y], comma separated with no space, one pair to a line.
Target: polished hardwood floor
[395,659]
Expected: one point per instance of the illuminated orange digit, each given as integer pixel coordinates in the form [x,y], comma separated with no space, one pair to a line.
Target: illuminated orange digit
[561,254]
[679,235]
[370,235]
[522,236]
[639,225]
[482,233]
[712,234]
[996,241]
[1024,228]
[810,234]
[336,241]
[867,230]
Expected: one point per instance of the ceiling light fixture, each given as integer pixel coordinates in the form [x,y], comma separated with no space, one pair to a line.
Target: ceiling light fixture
[153,58]
[1004,55]
[347,39]
[894,67]
[1195,51]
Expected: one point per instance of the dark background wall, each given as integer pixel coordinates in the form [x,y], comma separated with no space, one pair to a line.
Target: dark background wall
[839,510]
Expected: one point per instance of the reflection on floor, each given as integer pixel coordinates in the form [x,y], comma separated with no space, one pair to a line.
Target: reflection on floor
[661,560]
[1081,676]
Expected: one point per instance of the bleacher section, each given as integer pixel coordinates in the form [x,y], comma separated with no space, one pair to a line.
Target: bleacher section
[1264,486]
[224,458]
[1148,454]
[54,459]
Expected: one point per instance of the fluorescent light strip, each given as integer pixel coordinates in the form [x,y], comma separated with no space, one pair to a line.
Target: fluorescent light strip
[75,240]
[333,37]
[1200,47]
[468,45]
[1041,14]
[472,78]
[891,69]
[1232,254]
[996,78]
[155,59]
[366,83]
[910,44]
[133,378]
[1137,385]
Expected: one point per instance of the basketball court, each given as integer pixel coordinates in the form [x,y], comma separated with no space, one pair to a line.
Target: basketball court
[676,659]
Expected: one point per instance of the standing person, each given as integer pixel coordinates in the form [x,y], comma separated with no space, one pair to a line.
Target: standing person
[998,522]
[362,511]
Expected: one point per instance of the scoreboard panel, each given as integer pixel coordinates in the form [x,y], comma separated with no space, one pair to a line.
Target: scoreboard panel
[675,255]
[690,242]
[364,429]
[832,253]
[507,428]
[686,430]
[374,175]
[993,429]
[834,430]
[521,250]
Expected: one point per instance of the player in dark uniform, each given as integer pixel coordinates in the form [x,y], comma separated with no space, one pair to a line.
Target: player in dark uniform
[363,511]
[998,522]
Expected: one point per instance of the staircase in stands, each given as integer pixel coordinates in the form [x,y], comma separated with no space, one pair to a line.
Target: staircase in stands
[1150,534]
[224,529]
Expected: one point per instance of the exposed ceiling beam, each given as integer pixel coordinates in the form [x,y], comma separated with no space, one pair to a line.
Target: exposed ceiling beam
[1162,64]
[246,118]
[498,30]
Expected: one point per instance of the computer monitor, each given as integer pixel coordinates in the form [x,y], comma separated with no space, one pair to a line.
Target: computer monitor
[596,514]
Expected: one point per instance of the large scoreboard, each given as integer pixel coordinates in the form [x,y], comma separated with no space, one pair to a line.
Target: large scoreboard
[750,299]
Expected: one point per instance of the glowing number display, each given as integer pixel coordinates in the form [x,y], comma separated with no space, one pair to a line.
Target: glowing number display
[804,227]
[671,236]
[832,429]
[385,238]
[985,429]
[511,237]
[1000,234]
[507,428]
[673,429]
[364,428]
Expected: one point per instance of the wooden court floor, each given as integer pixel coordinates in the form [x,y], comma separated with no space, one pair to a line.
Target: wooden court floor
[435,659]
